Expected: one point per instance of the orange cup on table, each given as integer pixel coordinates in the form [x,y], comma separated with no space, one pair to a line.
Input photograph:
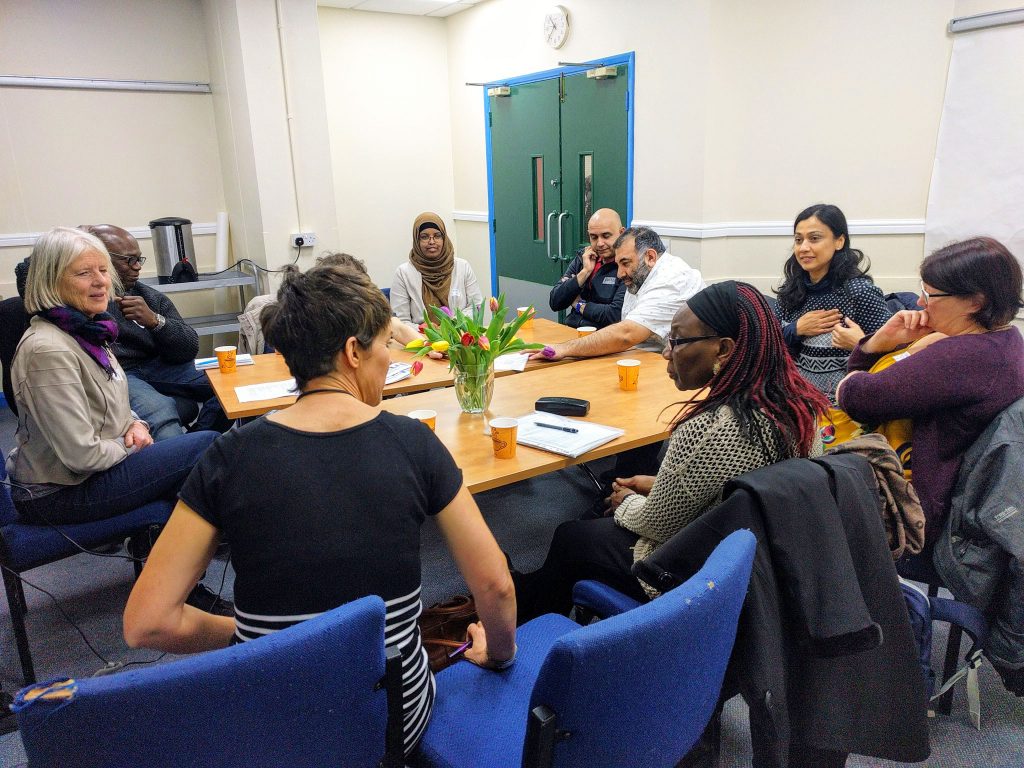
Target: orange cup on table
[503,436]
[520,311]
[629,374]
[585,330]
[226,359]
[425,415]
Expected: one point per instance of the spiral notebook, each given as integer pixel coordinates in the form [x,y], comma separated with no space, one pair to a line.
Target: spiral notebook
[587,436]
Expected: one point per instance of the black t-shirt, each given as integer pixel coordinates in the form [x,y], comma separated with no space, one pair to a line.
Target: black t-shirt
[318,519]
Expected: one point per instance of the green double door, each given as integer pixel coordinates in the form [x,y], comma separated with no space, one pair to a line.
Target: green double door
[559,151]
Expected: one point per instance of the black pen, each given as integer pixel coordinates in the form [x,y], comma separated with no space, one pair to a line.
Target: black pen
[572,430]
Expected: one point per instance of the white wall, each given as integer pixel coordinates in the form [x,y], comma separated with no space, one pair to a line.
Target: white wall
[386,88]
[80,157]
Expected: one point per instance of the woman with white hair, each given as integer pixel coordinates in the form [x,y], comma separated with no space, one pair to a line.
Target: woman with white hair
[80,452]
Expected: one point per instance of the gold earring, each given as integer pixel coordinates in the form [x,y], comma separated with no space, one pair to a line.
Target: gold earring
[716,368]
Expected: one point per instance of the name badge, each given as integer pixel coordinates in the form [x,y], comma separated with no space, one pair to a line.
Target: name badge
[610,280]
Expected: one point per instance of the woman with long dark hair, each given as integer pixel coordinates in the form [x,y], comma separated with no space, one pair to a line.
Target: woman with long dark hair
[758,410]
[827,301]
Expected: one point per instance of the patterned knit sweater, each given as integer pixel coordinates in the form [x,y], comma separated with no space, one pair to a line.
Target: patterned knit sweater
[821,363]
[704,453]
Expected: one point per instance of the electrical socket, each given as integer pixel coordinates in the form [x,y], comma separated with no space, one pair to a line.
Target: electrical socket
[303,239]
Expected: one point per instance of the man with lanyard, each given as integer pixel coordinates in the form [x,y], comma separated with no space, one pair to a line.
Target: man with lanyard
[590,288]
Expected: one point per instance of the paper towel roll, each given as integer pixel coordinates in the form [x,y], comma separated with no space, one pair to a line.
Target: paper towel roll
[221,259]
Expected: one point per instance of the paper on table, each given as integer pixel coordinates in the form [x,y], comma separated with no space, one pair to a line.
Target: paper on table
[513,361]
[266,391]
[588,437]
[397,372]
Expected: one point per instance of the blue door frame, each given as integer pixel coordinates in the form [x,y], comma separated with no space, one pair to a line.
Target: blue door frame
[622,58]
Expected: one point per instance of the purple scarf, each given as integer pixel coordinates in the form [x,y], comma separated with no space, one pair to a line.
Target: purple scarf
[90,333]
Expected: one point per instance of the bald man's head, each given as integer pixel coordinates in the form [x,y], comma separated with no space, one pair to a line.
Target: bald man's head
[123,248]
[603,229]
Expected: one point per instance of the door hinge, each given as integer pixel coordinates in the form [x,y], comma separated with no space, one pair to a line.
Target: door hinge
[627,101]
[494,225]
[490,119]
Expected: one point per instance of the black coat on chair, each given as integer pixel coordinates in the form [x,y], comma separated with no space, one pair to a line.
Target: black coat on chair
[13,324]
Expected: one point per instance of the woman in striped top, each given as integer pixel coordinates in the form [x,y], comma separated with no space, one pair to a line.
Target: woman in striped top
[322,502]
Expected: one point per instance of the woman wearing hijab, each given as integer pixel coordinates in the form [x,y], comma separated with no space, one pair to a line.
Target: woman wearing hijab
[432,277]
[758,411]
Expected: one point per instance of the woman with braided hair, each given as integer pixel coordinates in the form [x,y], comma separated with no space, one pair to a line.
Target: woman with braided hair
[758,410]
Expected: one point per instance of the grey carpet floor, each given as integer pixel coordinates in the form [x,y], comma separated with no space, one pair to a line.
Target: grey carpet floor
[93,591]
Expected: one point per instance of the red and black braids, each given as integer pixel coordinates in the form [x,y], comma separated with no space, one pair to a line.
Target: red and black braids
[760,376]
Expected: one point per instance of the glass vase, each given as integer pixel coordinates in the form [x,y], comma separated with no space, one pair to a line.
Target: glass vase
[474,386]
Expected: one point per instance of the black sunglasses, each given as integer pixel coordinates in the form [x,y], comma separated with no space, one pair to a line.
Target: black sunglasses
[675,341]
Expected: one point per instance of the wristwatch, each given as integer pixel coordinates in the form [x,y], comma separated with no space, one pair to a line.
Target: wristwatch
[579,307]
[161,321]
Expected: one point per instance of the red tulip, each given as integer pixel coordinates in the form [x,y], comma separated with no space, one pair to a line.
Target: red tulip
[494,304]
[417,366]
[467,339]
[484,342]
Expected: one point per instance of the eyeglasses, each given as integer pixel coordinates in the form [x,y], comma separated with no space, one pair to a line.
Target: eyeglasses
[929,296]
[675,341]
[425,238]
[131,261]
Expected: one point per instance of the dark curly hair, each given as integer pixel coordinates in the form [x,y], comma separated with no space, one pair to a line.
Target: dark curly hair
[846,263]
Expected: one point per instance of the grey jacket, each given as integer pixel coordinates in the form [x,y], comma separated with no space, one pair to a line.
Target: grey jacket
[980,553]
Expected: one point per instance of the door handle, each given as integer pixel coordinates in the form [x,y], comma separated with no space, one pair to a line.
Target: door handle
[566,257]
[561,216]
[548,238]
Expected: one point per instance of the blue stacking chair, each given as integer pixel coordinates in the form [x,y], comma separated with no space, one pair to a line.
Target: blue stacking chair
[634,690]
[25,546]
[320,693]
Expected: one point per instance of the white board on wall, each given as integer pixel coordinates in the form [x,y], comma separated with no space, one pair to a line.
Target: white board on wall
[977,183]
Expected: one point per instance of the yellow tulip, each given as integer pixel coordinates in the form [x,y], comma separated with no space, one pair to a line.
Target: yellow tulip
[440,346]
[415,344]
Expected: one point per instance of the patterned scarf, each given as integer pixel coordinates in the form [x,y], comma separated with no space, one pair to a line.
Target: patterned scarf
[437,271]
[90,333]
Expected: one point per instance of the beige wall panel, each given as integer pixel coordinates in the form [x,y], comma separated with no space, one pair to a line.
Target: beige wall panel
[831,100]
[386,87]
[110,39]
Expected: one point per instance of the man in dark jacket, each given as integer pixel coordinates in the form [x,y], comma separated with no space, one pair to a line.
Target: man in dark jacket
[590,288]
[155,346]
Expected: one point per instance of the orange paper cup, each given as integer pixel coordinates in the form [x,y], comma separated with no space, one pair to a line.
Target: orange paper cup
[522,311]
[226,359]
[629,374]
[503,435]
[427,416]
[585,330]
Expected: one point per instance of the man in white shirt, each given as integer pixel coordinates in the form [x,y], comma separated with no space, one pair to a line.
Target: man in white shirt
[657,285]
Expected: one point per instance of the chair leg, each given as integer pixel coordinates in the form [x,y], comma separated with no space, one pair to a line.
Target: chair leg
[17,606]
[945,704]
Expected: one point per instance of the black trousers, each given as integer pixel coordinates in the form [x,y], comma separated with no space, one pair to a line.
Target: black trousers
[581,549]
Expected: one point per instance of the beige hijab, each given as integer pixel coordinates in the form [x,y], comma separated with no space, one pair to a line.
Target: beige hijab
[437,271]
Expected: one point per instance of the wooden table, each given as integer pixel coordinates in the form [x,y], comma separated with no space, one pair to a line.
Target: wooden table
[645,415]
[435,373]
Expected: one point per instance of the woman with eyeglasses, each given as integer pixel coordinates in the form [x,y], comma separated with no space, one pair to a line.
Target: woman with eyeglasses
[827,301]
[725,344]
[951,391]
[432,276]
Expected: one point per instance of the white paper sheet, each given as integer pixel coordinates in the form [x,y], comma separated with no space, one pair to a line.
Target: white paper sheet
[397,372]
[587,437]
[513,361]
[266,391]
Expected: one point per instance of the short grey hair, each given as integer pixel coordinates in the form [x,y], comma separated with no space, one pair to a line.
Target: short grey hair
[50,260]
[643,239]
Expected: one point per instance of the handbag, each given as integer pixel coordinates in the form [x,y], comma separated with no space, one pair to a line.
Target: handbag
[443,629]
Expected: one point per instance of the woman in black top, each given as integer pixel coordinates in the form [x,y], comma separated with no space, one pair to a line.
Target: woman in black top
[315,517]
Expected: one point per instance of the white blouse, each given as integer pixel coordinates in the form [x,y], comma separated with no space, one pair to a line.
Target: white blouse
[407,291]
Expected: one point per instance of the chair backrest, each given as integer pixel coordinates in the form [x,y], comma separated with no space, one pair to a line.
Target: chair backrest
[304,696]
[13,324]
[639,688]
